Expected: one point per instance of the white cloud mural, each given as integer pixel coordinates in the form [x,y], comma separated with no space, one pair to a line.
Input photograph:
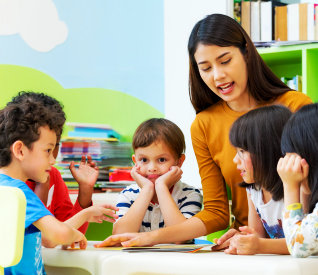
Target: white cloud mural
[36,21]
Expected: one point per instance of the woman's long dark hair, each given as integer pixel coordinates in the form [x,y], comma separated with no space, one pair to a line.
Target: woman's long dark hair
[223,31]
[259,133]
[300,136]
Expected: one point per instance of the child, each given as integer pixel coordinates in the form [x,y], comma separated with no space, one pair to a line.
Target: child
[299,173]
[159,198]
[54,193]
[256,136]
[27,140]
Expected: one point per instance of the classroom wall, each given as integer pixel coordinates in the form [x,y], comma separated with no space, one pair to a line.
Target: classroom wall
[180,16]
[116,62]
[113,46]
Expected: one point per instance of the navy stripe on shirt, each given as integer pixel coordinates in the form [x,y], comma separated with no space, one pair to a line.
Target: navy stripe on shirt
[191,203]
[131,190]
[183,199]
[190,189]
[123,204]
[146,224]
[190,213]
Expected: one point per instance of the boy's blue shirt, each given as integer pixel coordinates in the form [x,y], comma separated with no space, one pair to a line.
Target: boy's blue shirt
[31,262]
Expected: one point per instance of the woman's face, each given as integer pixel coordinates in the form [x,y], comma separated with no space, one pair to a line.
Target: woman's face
[224,71]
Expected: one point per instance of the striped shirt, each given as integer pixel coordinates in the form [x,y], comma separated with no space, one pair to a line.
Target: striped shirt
[187,198]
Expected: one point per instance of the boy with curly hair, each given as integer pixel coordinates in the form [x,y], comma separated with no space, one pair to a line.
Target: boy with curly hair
[27,140]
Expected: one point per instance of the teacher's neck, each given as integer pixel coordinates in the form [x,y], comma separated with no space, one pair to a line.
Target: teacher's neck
[243,104]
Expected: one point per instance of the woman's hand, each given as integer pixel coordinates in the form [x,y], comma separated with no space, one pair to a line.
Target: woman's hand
[247,243]
[128,240]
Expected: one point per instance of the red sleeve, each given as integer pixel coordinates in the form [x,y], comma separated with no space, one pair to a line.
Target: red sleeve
[61,206]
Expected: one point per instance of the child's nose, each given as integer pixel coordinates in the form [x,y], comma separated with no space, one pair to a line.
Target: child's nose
[236,157]
[52,159]
[152,167]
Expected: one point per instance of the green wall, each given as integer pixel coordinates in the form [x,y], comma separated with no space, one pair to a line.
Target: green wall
[87,105]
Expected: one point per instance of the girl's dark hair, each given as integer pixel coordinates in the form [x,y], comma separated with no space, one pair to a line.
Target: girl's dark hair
[300,136]
[259,133]
[223,31]
[159,129]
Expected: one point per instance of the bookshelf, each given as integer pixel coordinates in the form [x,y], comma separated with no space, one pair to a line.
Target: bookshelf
[291,60]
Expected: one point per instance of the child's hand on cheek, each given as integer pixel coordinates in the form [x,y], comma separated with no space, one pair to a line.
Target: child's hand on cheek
[293,170]
[139,178]
[170,178]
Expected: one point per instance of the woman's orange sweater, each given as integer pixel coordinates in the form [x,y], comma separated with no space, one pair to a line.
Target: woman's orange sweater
[214,153]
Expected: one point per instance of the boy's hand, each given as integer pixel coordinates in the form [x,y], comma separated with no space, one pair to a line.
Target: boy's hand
[171,177]
[293,170]
[128,240]
[100,213]
[86,174]
[247,243]
[140,179]
[224,241]
[81,242]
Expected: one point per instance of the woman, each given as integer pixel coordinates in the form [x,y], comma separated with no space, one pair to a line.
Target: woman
[227,79]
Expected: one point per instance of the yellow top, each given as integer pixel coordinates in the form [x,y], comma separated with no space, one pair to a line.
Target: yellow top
[214,153]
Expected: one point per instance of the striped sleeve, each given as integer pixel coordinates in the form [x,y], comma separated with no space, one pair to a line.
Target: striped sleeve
[190,202]
[125,200]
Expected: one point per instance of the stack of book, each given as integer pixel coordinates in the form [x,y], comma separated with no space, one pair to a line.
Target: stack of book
[274,20]
[103,145]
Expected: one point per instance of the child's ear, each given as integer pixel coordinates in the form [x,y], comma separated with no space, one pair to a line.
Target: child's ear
[18,149]
[133,158]
[181,160]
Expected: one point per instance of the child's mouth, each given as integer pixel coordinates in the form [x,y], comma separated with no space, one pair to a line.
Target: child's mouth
[153,177]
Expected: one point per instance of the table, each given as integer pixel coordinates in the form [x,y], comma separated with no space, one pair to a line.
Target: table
[101,262]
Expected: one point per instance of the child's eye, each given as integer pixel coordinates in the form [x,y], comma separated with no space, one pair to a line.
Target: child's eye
[226,61]
[162,160]
[240,153]
[49,151]
[143,160]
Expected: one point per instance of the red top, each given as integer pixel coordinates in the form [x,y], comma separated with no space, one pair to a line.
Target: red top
[58,201]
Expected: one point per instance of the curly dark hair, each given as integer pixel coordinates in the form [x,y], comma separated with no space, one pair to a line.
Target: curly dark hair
[49,102]
[21,120]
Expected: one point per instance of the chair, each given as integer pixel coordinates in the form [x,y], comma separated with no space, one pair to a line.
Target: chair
[12,217]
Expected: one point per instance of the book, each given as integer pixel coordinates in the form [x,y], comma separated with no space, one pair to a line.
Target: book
[266,21]
[281,23]
[306,21]
[315,21]
[292,22]
[276,3]
[189,248]
[237,11]
[255,21]
[246,16]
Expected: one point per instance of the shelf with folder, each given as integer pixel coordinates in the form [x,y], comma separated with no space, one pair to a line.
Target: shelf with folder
[288,61]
